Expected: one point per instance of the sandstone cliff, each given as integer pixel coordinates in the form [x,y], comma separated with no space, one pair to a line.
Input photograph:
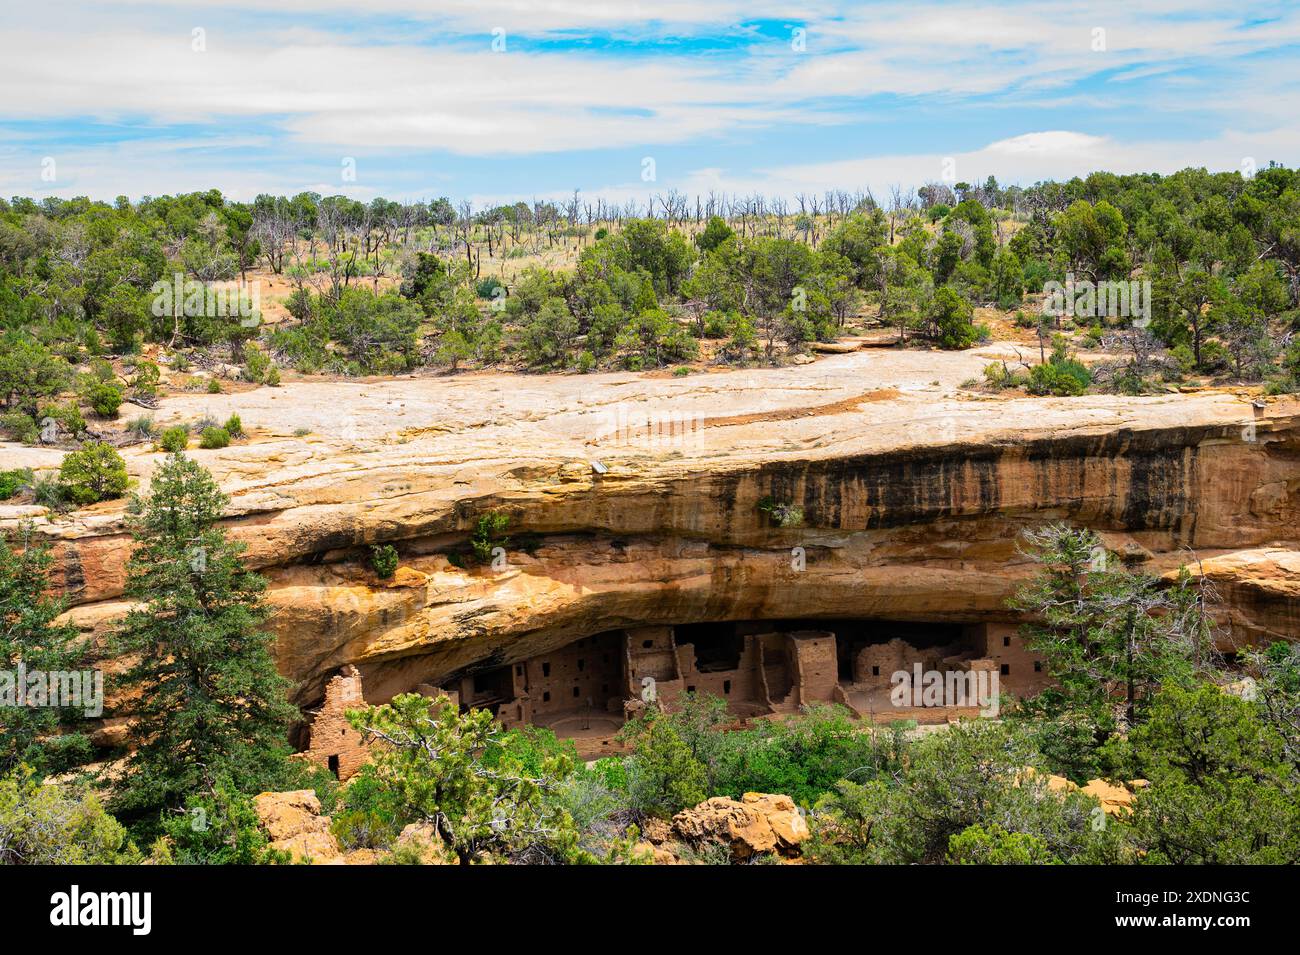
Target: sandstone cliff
[638,501]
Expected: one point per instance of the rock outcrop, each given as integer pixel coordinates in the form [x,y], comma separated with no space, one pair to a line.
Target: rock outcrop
[293,823]
[756,825]
[635,500]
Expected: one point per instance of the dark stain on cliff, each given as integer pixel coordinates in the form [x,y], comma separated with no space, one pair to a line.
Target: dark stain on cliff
[920,485]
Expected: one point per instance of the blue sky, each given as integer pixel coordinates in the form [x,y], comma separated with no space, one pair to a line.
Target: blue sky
[108,98]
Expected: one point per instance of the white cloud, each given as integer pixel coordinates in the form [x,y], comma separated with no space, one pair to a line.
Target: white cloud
[324,93]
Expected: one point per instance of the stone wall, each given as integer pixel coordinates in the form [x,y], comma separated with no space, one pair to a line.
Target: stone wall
[333,743]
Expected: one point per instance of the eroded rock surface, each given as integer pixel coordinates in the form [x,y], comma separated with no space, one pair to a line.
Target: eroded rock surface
[638,499]
[758,824]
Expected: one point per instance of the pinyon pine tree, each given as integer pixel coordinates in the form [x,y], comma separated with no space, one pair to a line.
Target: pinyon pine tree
[210,703]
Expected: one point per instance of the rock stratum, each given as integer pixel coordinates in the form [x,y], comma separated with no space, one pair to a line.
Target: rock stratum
[634,500]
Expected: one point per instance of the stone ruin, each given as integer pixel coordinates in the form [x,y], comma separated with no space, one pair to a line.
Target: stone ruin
[587,689]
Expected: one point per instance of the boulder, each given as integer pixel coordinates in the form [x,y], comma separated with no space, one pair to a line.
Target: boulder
[1114,800]
[759,823]
[293,822]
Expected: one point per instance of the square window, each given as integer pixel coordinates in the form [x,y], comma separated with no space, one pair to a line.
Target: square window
[1038,666]
[1006,641]
[1006,669]
[875,671]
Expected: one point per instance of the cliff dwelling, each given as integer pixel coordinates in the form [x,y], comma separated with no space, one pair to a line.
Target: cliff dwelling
[585,690]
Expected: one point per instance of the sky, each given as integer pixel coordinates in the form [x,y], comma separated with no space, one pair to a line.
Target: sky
[498,100]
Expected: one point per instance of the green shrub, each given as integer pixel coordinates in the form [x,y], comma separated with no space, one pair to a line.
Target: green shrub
[93,473]
[213,438]
[487,288]
[234,427]
[104,398]
[214,386]
[47,491]
[174,439]
[147,380]
[273,377]
[489,533]
[256,366]
[42,824]
[67,416]
[781,514]
[383,558]
[219,827]
[11,482]
[1063,378]
[18,426]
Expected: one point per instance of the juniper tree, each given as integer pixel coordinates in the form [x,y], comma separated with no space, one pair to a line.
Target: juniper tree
[30,635]
[209,702]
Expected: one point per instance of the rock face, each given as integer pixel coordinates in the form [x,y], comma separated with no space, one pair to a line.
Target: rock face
[758,824]
[638,501]
[293,823]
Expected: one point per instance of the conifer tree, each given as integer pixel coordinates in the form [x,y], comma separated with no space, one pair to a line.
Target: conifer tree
[30,636]
[210,705]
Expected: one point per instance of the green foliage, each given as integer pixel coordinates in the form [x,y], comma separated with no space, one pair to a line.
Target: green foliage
[370,814]
[948,321]
[383,560]
[66,416]
[219,827]
[12,482]
[173,439]
[44,738]
[716,231]
[1110,637]
[147,380]
[18,426]
[1223,789]
[257,366]
[489,533]
[1060,374]
[993,845]
[663,775]
[212,438]
[29,373]
[211,705]
[93,473]
[432,769]
[104,398]
[781,513]
[803,756]
[43,824]
[234,426]
[972,774]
